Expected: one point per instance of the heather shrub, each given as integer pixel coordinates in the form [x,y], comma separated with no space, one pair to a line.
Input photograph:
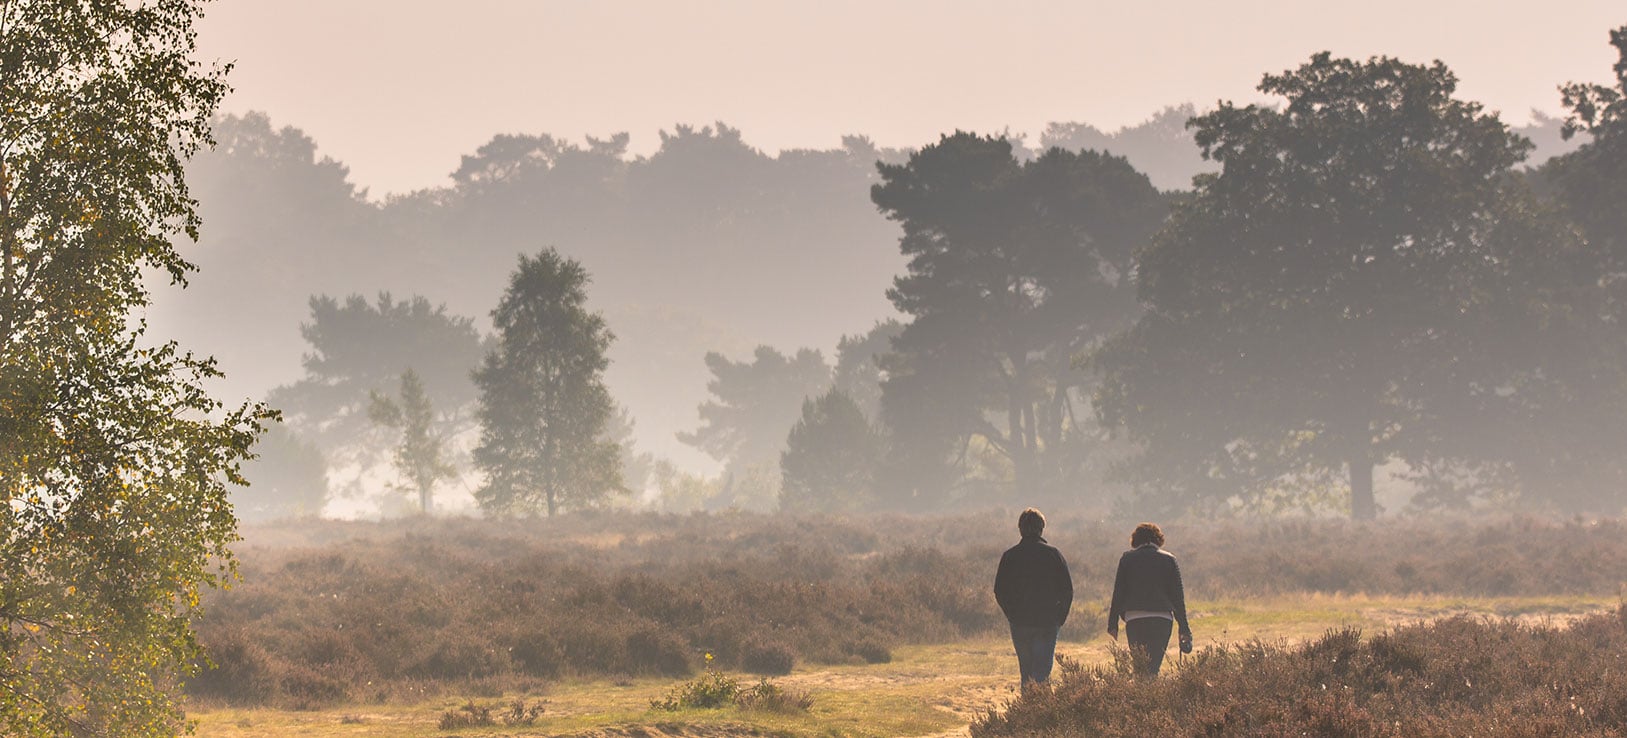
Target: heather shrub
[428,605]
[240,672]
[652,650]
[460,654]
[301,687]
[871,651]
[764,657]
[534,652]
[1460,676]
[770,697]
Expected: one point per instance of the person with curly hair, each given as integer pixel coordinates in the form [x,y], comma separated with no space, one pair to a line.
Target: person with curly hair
[1149,597]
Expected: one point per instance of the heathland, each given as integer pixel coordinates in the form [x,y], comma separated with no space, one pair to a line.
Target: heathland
[886,624]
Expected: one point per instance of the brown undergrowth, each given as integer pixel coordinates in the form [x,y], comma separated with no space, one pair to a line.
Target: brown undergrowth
[1454,677]
[334,612]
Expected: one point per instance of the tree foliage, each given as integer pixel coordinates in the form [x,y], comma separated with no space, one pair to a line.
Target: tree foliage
[421,456]
[359,349]
[830,458]
[544,410]
[1015,268]
[858,366]
[755,403]
[114,461]
[1342,293]
[1571,454]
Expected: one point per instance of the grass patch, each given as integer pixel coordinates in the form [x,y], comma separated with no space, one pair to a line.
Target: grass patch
[926,688]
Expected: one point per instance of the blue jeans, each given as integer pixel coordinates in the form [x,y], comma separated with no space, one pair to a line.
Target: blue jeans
[1036,650]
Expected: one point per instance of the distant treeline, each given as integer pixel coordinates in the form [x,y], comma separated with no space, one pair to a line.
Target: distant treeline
[1368,300]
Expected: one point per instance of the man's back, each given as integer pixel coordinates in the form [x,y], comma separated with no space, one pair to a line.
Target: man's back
[1033,585]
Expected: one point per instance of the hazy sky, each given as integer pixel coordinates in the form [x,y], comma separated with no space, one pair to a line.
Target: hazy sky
[399,89]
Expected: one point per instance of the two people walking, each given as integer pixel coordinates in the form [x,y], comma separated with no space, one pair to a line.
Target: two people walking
[1035,591]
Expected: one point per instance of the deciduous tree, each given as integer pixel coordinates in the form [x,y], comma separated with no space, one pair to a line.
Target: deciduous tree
[114,460]
[421,454]
[544,409]
[1330,298]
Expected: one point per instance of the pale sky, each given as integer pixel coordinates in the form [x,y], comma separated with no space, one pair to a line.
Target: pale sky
[400,89]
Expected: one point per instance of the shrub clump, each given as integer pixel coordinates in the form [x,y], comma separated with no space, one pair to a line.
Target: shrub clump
[714,689]
[1460,676]
[471,715]
[760,657]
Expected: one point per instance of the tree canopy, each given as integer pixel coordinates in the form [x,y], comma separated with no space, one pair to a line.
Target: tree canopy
[755,403]
[360,348]
[114,460]
[830,458]
[544,410]
[1014,269]
[1335,297]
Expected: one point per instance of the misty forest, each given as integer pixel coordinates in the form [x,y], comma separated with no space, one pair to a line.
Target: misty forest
[713,441]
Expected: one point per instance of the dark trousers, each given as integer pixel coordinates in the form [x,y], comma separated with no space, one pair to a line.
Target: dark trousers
[1151,637]
[1036,650]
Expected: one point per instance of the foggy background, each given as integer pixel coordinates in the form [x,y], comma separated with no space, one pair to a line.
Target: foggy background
[710,164]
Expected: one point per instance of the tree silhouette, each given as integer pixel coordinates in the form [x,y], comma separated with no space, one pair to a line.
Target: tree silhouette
[1326,301]
[1015,268]
[544,409]
[830,457]
[421,454]
[755,404]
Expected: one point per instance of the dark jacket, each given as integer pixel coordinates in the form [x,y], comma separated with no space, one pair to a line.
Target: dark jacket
[1033,586]
[1148,579]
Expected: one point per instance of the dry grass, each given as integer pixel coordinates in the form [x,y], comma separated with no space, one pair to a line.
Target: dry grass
[926,689]
[416,611]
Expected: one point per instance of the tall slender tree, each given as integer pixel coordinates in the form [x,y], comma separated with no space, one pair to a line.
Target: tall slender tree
[114,459]
[421,455]
[544,408]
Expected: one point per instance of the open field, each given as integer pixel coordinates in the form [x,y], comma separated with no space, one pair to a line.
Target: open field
[931,689]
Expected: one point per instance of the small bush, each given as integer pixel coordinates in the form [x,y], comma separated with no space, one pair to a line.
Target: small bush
[538,656]
[652,650]
[461,656]
[771,697]
[241,674]
[470,715]
[519,715]
[759,657]
[871,651]
[711,689]
[305,688]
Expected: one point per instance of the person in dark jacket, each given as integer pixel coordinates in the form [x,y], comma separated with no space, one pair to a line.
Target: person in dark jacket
[1148,596]
[1035,592]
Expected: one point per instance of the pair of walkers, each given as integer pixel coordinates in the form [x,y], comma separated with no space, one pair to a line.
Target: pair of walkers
[1035,591]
